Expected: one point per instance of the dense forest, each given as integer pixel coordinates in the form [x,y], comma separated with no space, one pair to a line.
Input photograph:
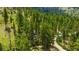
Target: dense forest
[28,29]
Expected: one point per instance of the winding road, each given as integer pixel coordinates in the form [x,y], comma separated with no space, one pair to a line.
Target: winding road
[57,45]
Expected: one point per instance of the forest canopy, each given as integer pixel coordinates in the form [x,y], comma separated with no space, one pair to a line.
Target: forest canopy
[28,29]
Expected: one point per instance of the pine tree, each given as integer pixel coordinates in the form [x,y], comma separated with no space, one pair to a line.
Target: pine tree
[22,40]
[7,28]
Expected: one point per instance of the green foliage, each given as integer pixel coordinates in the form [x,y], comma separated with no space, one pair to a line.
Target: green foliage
[29,28]
[5,16]
[22,43]
[46,37]
[0,47]
[20,21]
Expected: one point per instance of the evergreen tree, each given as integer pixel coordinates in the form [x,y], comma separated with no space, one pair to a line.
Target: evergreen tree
[7,28]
